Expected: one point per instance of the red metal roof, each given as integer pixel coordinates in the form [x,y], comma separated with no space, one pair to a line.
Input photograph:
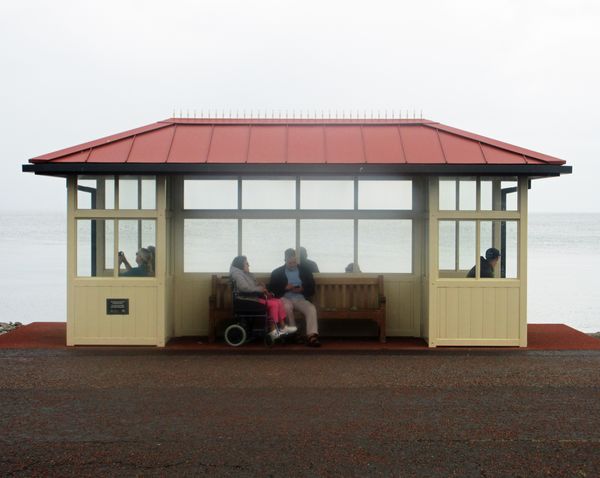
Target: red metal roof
[280,141]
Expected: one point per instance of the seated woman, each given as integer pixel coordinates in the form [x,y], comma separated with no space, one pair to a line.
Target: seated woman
[144,260]
[247,283]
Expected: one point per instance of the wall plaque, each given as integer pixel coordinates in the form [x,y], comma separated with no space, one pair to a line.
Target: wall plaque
[117,306]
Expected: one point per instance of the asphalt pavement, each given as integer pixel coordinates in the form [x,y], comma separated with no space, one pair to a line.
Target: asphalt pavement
[151,412]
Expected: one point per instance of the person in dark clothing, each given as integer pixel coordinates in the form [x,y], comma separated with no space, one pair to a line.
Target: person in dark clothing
[487,263]
[306,262]
[294,284]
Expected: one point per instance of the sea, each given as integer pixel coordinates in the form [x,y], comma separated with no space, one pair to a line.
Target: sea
[563,254]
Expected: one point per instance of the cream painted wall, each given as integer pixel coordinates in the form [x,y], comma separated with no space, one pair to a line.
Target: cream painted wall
[92,326]
[403,294]
[477,312]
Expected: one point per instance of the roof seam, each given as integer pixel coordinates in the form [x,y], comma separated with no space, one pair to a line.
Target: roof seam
[248,143]
[171,143]
[364,146]
[399,130]
[212,132]
[287,142]
[482,152]
[324,144]
[130,147]
[441,146]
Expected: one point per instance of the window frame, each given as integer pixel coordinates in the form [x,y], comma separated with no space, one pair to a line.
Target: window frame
[115,215]
[479,215]
[298,214]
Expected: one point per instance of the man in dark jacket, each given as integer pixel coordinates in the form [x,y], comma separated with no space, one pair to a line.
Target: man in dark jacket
[295,284]
[487,263]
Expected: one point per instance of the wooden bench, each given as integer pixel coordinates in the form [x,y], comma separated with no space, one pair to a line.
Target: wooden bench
[337,297]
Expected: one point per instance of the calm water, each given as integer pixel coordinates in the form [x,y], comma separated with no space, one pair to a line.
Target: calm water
[564,255]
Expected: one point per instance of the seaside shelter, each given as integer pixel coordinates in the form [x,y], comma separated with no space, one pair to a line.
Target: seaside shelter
[414,200]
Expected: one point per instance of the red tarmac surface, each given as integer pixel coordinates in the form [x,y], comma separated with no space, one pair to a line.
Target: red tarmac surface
[407,412]
[52,335]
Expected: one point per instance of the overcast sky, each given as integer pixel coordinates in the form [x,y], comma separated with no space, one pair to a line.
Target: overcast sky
[524,72]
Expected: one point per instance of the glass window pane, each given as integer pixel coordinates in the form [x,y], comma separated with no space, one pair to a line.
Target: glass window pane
[447,248]
[265,240]
[486,195]
[447,192]
[385,194]
[95,247]
[109,246]
[95,192]
[209,245]
[486,236]
[210,194]
[128,193]
[467,197]
[268,194]
[499,194]
[385,245]
[456,248]
[510,195]
[148,193]
[137,248]
[511,250]
[503,236]
[330,243]
[327,194]
[137,192]
[466,245]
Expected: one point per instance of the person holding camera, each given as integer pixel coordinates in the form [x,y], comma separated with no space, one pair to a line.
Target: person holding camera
[144,261]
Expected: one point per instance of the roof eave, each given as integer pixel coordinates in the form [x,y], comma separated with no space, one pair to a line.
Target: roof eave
[355,169]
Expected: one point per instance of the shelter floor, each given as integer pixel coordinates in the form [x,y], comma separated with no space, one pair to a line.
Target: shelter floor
[52,335]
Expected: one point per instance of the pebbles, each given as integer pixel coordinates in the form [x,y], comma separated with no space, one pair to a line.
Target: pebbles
[8,326]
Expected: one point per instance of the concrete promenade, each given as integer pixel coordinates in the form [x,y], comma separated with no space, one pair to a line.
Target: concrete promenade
[152,412]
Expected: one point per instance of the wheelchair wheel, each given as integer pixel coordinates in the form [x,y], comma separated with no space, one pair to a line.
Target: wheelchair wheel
[235,335]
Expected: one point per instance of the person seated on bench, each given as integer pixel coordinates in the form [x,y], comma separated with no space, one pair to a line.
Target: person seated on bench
[352,268]
[294,283]
[247,284]
[306,262]
[487,263]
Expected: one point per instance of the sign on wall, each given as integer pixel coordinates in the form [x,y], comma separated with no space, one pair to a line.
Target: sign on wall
[117,306]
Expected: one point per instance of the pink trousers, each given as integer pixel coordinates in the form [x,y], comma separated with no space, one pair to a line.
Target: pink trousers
[275,309]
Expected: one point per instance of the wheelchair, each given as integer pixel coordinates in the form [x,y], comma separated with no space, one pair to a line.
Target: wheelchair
[251,321]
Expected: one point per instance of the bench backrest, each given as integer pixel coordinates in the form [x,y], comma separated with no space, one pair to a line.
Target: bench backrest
[349,292]
[356,291]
